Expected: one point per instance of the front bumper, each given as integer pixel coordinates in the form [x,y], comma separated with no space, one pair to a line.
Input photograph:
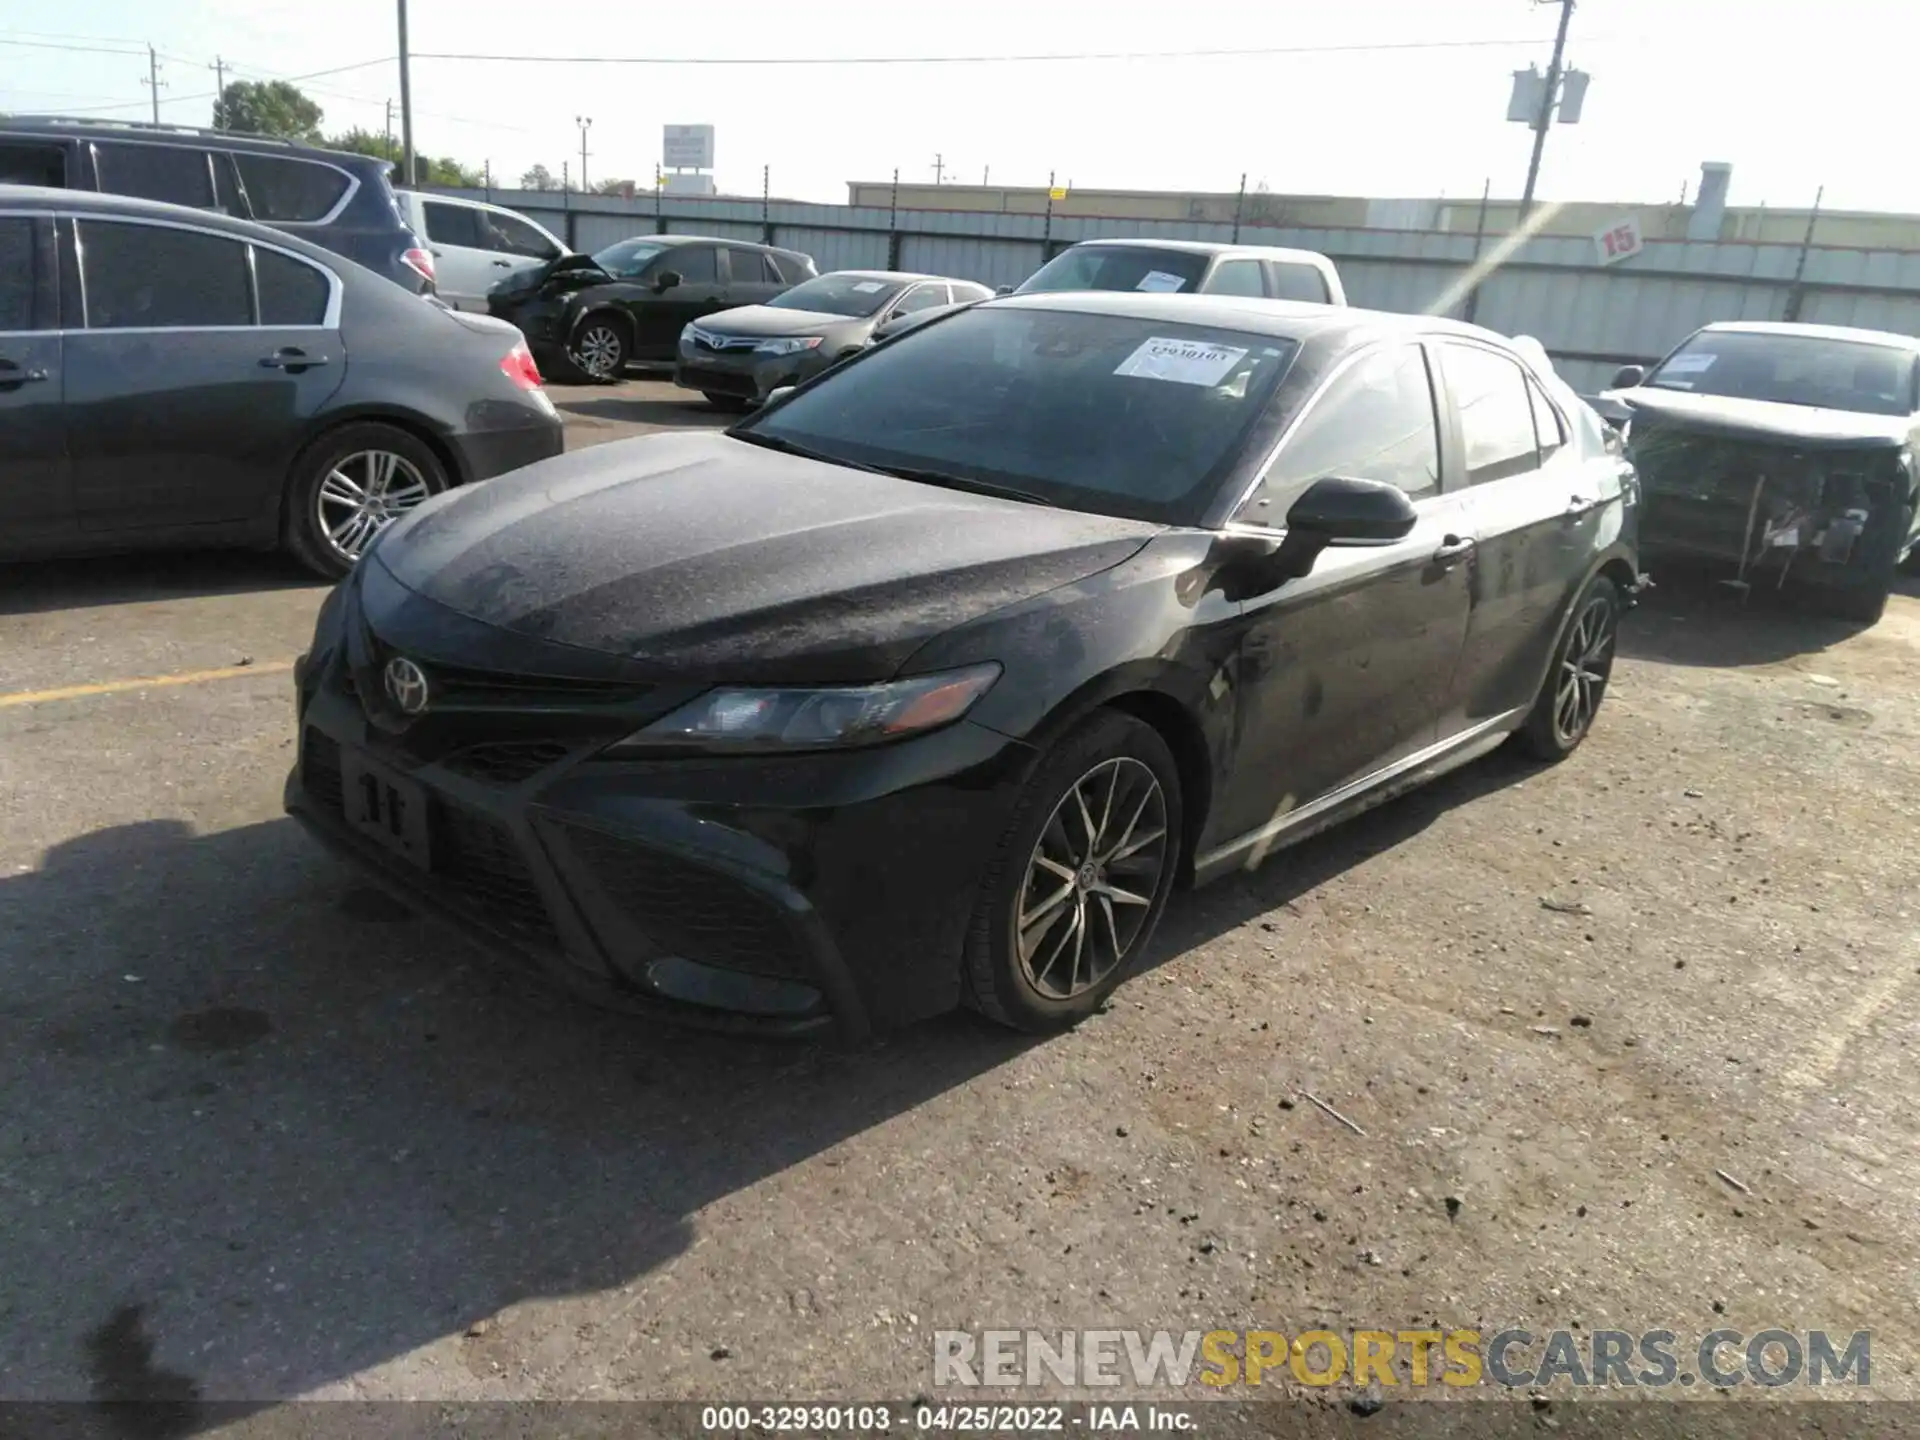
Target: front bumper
[742,373]
[770,894]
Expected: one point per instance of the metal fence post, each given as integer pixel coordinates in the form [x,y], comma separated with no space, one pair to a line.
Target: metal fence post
[766,194]
[659,221]
[893,223]
[1797,292]
[1046,238]
[1239,205]
[1479,235]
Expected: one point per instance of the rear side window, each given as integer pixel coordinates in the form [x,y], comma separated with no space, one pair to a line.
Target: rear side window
[1294,281]
[27,164]
[292,292]
[1547,428]
[144,276]
[280,188]
[16,273]
[1236,277]
[453,225]
[794,268]
[750,267]
[156,172]
[1496,413]
[921,297]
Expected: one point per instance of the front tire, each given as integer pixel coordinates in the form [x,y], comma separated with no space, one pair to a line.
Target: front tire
[351,484]
[1865,601]
[1576,682]
[598,349]
[1078,883]
[732,404]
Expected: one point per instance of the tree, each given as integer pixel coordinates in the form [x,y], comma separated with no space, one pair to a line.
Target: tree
[364,142]
[444,170]
[267,107]
[539,178]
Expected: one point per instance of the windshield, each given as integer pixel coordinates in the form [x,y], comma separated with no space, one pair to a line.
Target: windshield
[1139,418]
[1118,267]
[628,258]
[839,295]
[1792,370]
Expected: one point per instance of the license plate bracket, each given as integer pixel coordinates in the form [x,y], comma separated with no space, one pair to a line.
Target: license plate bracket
[386,807]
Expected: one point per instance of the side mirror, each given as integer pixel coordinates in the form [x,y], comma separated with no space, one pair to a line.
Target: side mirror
[1628,376]
[779,393]
[1003,290]
[1339,511]
[665,281]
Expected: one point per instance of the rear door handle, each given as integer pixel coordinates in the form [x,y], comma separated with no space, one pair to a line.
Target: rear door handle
[503,264]
[291,359]
[12,376]
[1452,550]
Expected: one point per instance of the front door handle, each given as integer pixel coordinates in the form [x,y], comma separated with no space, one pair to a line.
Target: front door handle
[1452,550]
[503,264]
[1580,505]
[292,359]
[12,376]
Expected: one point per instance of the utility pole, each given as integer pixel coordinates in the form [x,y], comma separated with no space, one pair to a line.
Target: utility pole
[985,171]
[154,82]
[388,152]
[219,68]
[406,102]
[585,122]
[1547,96]
[939,167]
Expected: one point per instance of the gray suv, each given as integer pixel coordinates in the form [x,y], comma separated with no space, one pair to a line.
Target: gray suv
[329,197]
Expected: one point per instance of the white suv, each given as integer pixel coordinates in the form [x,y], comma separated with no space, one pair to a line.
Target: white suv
[475,246]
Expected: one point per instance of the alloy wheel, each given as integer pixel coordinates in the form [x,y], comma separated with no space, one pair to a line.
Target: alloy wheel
[597,350]
[363,494]
[1585,665]
[1091,879]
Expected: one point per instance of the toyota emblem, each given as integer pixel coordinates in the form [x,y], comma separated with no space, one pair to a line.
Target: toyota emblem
[406,685]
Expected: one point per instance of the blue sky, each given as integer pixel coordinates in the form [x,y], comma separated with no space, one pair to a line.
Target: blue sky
[1791,101]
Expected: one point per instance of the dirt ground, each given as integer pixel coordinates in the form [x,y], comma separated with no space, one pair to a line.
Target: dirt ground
[1626,1043]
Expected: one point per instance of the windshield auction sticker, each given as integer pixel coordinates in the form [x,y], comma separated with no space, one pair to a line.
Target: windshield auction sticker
[1185,362]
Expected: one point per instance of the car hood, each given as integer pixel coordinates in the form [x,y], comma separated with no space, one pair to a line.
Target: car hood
[584,269]
[774,320]
[701,556]
[1766,419]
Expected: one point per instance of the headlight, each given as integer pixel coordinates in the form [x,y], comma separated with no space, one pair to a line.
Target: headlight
[748,720]
[791,345]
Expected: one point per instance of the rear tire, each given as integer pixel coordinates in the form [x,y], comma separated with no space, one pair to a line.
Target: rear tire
[1576,681]
[348,486]
[732,404]
[1090,882]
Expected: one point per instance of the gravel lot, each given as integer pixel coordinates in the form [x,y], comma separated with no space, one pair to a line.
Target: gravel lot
[262,1134]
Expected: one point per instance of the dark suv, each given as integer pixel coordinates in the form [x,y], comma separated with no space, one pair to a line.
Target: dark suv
[328,197]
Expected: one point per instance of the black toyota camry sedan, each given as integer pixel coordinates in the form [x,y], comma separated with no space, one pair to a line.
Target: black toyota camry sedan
[928,683]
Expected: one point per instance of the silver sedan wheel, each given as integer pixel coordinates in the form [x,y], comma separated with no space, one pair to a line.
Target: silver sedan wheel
[1584,668]
[363,494]
[599,351]
[1091,879]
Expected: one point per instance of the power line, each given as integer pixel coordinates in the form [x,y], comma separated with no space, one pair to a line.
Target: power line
[1371,48]
[74,49]
[210,95]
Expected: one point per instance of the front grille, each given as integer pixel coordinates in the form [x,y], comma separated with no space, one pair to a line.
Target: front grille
[479,860]
[454,686]
[507,763]
[320,769]
[691,911]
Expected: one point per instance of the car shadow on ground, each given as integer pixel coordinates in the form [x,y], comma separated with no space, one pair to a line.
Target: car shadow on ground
[39,586]
[1691,618]
[264,1129]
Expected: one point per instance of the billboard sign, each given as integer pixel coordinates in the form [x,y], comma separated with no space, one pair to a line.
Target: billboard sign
[1619,241]
[687,147]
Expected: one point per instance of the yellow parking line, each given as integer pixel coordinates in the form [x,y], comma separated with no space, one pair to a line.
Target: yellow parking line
[152,682]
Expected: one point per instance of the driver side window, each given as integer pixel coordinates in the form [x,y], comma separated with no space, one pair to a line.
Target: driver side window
[695,264]
[1374,422]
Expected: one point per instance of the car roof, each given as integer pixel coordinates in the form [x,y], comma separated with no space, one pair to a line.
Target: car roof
[902,276]
[97,202]
[1297,320]
[80,127]
[1815,332]
[1204,247]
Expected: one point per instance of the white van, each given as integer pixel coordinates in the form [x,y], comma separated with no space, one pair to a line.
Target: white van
[474,246]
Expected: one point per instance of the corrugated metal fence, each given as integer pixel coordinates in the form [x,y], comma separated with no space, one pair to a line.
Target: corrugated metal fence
[1592,319]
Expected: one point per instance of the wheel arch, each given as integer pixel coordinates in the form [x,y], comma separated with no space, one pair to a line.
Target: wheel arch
[593,310]
[415,425]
